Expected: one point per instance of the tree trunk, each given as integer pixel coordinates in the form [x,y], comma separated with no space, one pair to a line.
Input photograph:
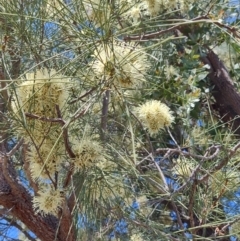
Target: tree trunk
[226,96]
[16,198]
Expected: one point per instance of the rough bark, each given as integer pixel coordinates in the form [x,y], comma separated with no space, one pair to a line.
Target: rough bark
[20,207]
[226,96]
[16,198]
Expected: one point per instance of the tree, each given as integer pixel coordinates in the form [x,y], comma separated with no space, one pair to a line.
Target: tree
[119,120]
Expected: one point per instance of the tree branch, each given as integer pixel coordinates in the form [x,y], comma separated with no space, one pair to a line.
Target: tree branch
[104,114]
[26,168]
[82,96]
[226,96]
[200,19]
[221,164]
[20,228]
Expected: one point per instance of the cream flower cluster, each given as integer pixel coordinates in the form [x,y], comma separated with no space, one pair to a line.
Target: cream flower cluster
[136,237]
[97,11]
[183,168]
[135,10]
[45,161]
[154,6]
[124,65]
[38,95]
[154,115]
[41,92]
[48,201]
[88,152]
[132,10]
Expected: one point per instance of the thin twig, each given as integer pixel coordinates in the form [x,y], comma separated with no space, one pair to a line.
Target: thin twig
[104,113]
[191,204]
[225,227]
[222,163]
[82,96]
[146,134]
[193,174]
[144,159]
[26,168]
[68,148]
[64,125]
[161,175]
[206,19]
[157,186]
[155,34]
[79,114]
[42,118]
[40,157]
[15,148]
[179,220]
[160,233]
[65,134]
[187,154]
[14,223]
[68,176]
[175,142]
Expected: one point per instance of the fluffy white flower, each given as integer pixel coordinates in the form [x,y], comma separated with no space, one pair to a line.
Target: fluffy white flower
[97,11]
[154,6]
[123,65]
[136,237]
[132,10]
[88,152]
[154,115]
[45,162]
[41,92]
[48,201]
[38,95]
